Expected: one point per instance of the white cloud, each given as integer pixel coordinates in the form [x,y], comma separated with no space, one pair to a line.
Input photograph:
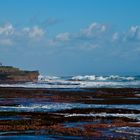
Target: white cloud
[94,36]
[34,32]
[94,29]
[63,36]
[7,29]
[91,37]
[10,35]
[115,36]
[133,34]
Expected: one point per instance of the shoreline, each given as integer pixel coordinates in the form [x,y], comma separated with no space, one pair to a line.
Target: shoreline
[84,113]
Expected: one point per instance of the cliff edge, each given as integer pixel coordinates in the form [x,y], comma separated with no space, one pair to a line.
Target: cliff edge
[9,74]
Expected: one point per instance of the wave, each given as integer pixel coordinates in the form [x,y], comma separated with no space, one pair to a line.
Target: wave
[42,78]
[103,78]
[47,78]
[87,81]
[76,84]
[51,106]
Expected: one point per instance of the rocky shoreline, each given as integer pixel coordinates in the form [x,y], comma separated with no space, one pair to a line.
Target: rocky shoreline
[107,122]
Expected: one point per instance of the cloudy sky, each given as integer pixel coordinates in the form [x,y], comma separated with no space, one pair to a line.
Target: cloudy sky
[70,37]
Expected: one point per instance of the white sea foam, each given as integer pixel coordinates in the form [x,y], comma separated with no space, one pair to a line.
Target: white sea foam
[132,116]
[51,106]
[134,131]
[84,78]
[47,78]
[43,107]
[102,78]
[76,84]
[88,81]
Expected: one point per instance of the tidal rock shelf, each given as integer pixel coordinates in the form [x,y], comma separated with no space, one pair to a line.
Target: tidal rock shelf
[99,113]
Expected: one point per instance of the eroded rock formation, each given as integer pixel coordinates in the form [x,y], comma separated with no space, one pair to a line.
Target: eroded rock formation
[9,74]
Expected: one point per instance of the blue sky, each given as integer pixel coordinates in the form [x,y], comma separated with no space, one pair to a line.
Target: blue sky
[70,37]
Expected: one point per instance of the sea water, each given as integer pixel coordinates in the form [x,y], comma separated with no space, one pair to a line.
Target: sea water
[81,81]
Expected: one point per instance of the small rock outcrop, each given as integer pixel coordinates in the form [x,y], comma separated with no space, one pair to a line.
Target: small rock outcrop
[9,74]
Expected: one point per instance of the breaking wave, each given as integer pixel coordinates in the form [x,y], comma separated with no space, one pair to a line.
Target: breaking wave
[103,78]
[47,78]
[87,81]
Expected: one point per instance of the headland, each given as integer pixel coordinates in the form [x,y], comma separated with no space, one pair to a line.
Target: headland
[9,74]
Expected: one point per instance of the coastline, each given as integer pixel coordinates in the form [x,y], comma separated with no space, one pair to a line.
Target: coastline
[99,113]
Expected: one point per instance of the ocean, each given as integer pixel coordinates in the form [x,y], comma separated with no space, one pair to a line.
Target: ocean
[82,81]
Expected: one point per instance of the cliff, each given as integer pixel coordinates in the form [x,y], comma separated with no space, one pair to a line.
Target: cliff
[9,74]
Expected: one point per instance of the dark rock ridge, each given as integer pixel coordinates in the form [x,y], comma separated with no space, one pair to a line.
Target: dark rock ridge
[9,74]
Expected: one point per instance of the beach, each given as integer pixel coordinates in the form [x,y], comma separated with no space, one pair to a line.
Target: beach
[69,113]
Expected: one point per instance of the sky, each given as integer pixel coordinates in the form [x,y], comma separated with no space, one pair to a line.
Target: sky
[71,37]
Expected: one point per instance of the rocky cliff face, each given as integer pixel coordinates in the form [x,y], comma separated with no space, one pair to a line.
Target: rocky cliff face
[10,74]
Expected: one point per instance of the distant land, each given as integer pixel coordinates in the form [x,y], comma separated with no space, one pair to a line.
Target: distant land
[10,74]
